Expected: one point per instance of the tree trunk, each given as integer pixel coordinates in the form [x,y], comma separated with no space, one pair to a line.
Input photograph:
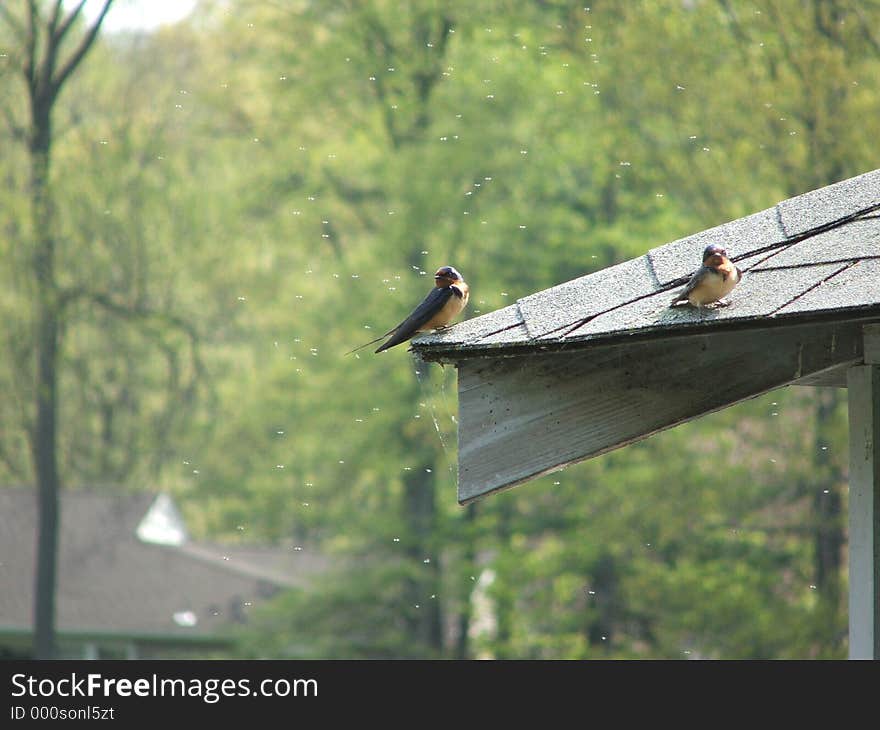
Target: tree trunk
[41,38]
[46,335]
[421,515]
[465,611]
[504,603]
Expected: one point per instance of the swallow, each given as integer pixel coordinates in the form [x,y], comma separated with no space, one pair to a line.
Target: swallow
[714,280]
[443,304]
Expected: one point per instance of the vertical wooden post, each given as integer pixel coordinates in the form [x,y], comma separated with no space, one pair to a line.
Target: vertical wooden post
[863,383]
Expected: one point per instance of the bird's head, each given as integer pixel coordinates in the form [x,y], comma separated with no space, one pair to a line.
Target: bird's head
[446,276]
[714,255]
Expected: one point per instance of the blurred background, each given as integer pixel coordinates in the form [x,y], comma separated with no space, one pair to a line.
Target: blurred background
[201,212]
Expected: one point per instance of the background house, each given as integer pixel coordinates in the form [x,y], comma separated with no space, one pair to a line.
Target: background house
[131,583]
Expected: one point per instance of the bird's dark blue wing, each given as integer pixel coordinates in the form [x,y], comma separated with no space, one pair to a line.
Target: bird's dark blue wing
[430,305]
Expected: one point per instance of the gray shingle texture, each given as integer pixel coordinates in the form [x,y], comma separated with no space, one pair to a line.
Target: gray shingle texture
[815,253]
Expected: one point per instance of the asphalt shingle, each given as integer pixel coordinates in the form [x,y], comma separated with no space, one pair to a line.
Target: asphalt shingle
[815,253]
[849,241]
[545,312]
[832,203]
[856,285]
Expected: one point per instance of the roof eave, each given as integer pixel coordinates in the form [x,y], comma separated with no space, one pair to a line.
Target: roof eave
[452,352]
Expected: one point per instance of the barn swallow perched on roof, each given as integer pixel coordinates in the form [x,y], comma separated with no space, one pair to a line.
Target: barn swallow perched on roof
[714,280]
[444,302]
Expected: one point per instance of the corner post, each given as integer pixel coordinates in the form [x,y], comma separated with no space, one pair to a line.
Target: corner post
[863,383]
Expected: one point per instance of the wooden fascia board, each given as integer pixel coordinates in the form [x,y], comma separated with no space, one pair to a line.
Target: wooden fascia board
[521,417]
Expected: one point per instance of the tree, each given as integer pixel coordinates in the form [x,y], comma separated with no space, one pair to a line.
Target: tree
[45,71]
[102,357]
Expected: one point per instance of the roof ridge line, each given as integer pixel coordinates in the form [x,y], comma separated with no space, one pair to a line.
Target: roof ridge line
[216,560]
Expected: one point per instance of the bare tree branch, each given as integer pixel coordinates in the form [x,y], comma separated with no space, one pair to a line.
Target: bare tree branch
[30,46]
[53,44]
[865,27]
[738,31]
[378,43]
[787,46]
[15,129]
[56,15]
[127,311]
[137,312]
[12,21]
[13,465]
[84,46]
[61,31]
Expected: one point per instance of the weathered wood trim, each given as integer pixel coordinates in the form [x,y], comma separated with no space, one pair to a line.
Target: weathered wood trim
[832,378]
[872,344]
[864,512]
[520,417]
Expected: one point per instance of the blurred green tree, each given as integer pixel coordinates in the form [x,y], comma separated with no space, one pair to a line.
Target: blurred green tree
[84,309]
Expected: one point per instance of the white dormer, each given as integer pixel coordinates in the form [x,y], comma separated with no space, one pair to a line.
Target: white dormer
[163,524]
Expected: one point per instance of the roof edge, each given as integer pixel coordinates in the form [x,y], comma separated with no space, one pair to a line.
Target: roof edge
[451,353]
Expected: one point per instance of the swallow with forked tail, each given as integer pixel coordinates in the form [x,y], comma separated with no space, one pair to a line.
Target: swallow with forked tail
[713,281]
[443,304]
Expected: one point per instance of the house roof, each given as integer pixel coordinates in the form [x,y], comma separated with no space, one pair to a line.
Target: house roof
[112,581]
[602,361]
[812,256]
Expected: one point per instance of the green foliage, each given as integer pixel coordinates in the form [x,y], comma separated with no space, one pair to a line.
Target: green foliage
[285,177]
[361,624]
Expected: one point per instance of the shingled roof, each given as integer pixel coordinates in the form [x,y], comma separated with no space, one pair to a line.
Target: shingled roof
[813,254]
[601,361]
[128,570]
